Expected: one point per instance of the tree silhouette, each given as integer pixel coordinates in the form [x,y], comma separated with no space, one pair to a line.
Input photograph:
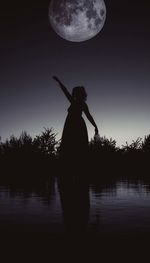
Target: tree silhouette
[146,144]
[43,144]
[26,151]
[46,142]
[135,146]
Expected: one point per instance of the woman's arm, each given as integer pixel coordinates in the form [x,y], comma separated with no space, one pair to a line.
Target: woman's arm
[64,89]
[90,118]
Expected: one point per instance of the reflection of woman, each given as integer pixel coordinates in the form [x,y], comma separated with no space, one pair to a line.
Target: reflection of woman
[75,136]
[75,202]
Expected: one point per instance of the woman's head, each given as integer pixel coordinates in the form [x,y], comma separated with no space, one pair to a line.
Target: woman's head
[79,93]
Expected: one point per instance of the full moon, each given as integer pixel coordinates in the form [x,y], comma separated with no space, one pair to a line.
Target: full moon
[77,20]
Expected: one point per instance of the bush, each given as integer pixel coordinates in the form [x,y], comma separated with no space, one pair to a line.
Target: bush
[43,144]
[103,145]
[135,146]
[146,144]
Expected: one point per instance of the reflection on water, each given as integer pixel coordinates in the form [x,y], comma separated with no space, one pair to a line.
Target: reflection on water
[70,205]
[123,208]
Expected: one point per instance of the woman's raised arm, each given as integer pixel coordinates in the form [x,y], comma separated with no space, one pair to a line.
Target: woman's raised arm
[64,89]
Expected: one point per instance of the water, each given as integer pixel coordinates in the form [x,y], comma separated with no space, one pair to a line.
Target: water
[123,209]
[72,207]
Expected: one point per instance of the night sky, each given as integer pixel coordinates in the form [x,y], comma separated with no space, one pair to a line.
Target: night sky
[114,67]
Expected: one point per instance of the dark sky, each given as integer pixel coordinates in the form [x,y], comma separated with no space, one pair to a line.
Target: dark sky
[114,67]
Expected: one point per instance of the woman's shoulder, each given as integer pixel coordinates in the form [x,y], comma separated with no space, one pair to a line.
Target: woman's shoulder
[84,105]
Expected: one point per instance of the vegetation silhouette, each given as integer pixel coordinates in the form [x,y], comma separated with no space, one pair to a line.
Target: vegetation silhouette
[43,153]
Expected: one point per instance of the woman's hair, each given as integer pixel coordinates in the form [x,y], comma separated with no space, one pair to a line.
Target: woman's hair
[79,93]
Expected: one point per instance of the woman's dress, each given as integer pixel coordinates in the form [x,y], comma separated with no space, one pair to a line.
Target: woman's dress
[74,142]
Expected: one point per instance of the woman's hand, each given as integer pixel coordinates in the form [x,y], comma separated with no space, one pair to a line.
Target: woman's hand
[96,131]
[55,78]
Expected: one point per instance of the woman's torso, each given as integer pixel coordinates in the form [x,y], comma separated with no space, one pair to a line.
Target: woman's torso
[76,108]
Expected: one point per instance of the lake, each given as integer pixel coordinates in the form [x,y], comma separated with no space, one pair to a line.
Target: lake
[60,207]
[71,207]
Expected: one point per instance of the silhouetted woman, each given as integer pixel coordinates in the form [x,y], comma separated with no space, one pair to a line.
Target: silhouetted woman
[74,144]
